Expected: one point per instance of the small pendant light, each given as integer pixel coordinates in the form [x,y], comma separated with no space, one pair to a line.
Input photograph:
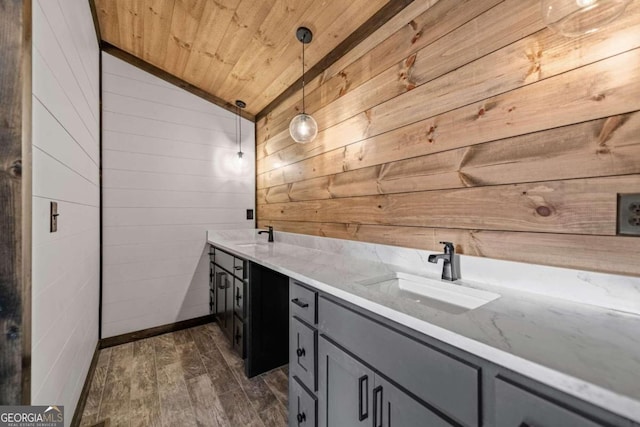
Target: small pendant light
[573,18]
[239,106]
[303,128]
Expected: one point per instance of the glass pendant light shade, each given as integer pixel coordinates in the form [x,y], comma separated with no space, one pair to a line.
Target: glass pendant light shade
[574,18]
[303,128]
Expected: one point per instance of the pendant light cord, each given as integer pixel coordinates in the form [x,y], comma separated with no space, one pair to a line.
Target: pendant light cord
[239,129]
[303,110]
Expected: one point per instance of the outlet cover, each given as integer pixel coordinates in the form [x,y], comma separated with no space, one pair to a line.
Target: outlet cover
[249,213]
[629,214]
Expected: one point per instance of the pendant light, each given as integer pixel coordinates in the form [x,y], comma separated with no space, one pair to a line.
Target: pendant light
[303,128]
[239,106]
[573,18]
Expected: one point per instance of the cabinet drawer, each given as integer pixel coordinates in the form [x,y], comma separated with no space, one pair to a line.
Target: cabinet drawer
[238,297]
[303,302]
[516,406]
[447,383]
[225,260]
[303,406]
[303,345]
[238,336]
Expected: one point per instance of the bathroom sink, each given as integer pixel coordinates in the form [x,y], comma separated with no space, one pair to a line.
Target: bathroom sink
[250,244]
[447,296]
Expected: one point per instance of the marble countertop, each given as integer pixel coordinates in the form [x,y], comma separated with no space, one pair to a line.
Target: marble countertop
[589,352]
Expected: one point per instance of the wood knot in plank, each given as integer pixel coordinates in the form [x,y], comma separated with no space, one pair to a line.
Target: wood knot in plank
[15,170]
[416,36]
[609,127]
[431,134]
[183,44]
[544,211]
[345,83]
[598,97]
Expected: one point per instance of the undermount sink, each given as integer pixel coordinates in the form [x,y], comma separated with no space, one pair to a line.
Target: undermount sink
[250,244]
[446,296]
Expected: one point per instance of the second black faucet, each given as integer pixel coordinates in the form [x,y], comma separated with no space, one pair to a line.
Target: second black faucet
[270,231]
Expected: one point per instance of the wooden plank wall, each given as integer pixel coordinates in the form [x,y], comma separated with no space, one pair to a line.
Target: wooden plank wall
[472,123]
[15,202]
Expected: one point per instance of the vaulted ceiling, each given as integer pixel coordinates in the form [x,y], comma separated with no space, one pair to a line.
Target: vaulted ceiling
[232,49]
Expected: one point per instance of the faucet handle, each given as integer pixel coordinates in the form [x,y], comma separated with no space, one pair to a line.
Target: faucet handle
[448,247]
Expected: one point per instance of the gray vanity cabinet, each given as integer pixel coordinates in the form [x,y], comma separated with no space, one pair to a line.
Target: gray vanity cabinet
[345,388]
[228,284]
[364,370]
[352,394]
[516,406]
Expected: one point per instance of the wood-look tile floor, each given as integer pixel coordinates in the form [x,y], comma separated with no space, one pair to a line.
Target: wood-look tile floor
[185,378]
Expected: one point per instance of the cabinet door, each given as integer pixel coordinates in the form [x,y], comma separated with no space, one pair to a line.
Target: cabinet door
[228,306]
[212,288]
[220,290]
[394,408]
[238,297]
[345,388]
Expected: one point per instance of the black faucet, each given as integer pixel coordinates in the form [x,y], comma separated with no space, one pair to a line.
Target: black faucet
[449,267]
[270,231]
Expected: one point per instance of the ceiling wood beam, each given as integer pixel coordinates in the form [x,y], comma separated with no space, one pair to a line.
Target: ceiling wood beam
[365,30]
[170,78]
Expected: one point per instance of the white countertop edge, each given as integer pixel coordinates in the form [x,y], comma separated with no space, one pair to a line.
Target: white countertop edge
[583,390]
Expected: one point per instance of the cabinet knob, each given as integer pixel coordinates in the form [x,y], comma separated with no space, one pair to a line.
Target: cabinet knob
[301,418]
[300,352]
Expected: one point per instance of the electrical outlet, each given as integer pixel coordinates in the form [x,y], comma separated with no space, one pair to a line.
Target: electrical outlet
[629,214]
[249,213]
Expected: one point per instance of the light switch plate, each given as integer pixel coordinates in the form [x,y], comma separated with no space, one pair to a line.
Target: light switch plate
[249,213]
[54,217]
[629,214]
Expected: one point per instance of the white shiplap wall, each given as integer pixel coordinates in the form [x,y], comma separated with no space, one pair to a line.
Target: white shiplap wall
[170,173]
[65,169]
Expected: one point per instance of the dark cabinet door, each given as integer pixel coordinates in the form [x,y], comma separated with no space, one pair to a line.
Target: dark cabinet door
[224,303]
[345,388]
[392,407]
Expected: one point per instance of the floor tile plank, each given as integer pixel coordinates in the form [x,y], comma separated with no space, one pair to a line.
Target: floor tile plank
[239,410]
[205,402]
[278,382]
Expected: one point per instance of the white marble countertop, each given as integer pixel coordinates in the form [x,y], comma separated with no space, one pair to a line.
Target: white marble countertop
[589,352]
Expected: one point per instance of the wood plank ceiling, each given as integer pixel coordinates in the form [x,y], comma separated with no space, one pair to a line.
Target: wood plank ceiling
[232,49]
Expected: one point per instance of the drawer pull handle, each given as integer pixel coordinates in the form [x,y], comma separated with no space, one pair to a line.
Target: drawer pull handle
[301,418]
[363,403]
[524,424]
[299,303]
[238,336]
[238,267]
[238,296]
[377,395]
[300,352]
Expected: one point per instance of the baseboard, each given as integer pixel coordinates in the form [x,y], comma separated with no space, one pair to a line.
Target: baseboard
[157,330]
[82,400]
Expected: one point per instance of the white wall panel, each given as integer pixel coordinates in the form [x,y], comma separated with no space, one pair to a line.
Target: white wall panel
[66,153]
[170,172]
[122,197]
[114,178]
[126,235]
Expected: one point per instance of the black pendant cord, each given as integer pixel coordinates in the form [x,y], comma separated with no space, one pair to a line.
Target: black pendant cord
[303,110]
[239,130]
